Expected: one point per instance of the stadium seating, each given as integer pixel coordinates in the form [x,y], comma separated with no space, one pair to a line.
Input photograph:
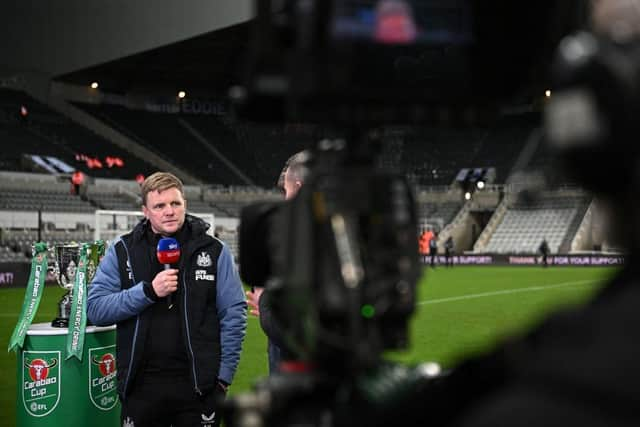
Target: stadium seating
[231,200]
[42,199]
[16,244]
[164,135]
[437,214]
[113,201]
[8,254]
[199,206]
[226,153]
[257,152]
[70,218]
[525,225]
[502,144]
[42,131]
[434,155]
[269,146]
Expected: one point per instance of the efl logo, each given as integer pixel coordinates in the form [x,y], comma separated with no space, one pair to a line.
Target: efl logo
[40,382]
[102,377]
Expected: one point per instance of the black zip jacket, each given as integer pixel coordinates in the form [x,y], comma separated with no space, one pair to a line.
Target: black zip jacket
[207,276]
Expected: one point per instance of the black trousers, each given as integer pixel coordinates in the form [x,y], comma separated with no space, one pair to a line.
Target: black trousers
[155,402]
[448,258]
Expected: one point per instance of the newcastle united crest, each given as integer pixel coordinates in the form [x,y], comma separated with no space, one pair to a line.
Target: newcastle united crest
[204,260]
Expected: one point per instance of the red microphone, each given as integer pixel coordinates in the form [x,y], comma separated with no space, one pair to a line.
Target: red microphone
[168,252]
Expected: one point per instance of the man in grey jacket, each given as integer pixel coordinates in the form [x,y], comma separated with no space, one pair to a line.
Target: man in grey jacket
[176,361]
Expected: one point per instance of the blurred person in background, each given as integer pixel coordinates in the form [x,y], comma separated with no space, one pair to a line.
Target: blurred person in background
[423,244]
[433,249]
[544,251]
[448,252]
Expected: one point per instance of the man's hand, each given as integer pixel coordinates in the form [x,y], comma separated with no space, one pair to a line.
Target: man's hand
[165,282]
[223,387]
[253,300]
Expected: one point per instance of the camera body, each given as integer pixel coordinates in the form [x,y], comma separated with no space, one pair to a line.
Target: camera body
[339,262]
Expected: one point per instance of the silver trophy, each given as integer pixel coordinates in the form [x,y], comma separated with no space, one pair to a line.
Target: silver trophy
[65,265]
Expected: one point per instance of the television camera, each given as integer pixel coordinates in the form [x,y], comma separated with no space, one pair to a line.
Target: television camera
[340,261]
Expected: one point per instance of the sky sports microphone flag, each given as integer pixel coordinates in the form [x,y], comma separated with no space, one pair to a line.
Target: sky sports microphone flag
[168,252]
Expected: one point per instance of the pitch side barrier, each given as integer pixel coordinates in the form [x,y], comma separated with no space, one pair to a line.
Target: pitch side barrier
[570,260]
[16,275]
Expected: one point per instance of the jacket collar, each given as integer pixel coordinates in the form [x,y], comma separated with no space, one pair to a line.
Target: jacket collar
[197,225]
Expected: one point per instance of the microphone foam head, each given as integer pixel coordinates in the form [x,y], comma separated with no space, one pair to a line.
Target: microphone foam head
[168,250]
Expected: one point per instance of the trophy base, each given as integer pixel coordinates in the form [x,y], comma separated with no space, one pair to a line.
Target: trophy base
[60,323]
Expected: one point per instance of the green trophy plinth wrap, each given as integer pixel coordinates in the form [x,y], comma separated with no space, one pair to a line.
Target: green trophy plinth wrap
[78,320]
[54,392]
[35,287]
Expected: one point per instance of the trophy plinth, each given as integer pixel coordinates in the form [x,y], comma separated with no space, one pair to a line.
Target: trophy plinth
[64,269]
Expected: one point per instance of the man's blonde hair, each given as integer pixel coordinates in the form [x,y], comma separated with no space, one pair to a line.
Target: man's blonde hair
[160,181]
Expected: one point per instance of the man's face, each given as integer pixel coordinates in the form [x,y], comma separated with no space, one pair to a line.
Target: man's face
[290,185]
[165,210]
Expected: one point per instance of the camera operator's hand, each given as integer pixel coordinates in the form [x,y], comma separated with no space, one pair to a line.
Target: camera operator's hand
[253,298]
[165,282]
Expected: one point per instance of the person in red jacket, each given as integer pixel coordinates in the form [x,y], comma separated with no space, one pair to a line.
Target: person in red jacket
[77,179]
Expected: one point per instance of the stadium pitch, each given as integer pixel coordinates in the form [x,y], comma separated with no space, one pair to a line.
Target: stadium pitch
[460,311]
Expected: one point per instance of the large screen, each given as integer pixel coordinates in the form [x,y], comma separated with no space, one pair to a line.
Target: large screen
[400,50]
[398,22]
[399,59]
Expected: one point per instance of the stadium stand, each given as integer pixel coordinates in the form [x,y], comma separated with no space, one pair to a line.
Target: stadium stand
[217,150]
[70,218]
[501,145]
[114,201]
[9,254]
[433,156]
[525,224]
[35,129]
[42,199]
[270,146]
[167,137]
[228,154]
[230,201]
[437,215]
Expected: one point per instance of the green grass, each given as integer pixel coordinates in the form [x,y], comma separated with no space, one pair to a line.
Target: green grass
[467,310]
[460,311]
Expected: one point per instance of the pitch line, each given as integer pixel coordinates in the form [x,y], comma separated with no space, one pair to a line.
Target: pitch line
[505,292]
[460,298]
